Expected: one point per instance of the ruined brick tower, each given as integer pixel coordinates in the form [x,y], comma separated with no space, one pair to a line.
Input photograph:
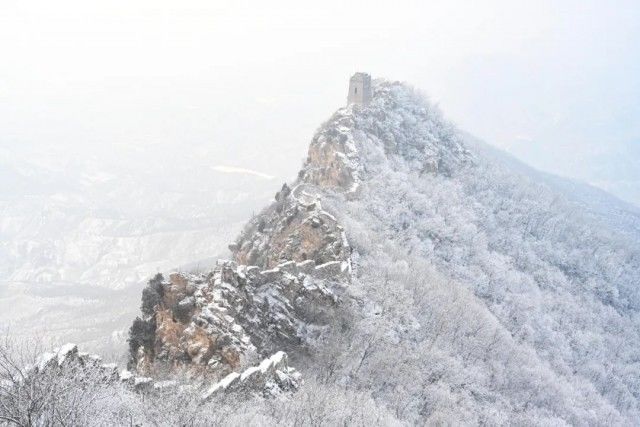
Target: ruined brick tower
[359,89]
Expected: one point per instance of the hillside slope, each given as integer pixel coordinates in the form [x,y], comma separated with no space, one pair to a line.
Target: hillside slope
[528,304]
[406,268]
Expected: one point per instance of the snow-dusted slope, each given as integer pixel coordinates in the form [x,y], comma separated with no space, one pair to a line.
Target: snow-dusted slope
[479,291]
[488,296]
[604,207]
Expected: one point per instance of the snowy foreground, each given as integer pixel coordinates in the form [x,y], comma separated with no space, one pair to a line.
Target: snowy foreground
[467,289]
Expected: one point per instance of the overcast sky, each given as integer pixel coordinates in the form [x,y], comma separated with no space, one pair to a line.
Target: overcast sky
[246,83]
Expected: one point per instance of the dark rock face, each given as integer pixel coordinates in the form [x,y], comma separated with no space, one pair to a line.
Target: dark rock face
[294,228]
[234,316]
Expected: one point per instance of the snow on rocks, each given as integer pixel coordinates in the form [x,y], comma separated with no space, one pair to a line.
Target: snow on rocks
[67,360]
[306,267]
[332,162]
[289,265]
[271,371]
[241,312]
[126,375]
[327,269]
[271,376]
[59,356]
[294,228]
[66,351]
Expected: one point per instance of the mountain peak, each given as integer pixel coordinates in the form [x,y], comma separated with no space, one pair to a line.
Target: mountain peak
[411,266]
[398,122]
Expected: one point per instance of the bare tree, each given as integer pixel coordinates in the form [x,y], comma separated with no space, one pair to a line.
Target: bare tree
[39,388]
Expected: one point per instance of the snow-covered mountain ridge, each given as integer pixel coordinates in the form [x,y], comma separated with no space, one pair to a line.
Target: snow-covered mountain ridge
[412,276]
[502,298]
[560,284]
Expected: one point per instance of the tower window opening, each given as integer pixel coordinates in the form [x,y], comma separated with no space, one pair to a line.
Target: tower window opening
[355,90]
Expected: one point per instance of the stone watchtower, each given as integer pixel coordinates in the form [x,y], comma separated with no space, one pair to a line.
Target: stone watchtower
[359,89]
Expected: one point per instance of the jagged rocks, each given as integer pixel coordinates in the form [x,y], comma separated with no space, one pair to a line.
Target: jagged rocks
[236,314]
[283,193]
[332,160]
[67,360]
[295,228]
[288,263]
[271,377]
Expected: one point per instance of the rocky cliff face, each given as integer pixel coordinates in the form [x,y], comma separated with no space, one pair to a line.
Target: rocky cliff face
[291,263]
[289,267]
[220,322]
[292,260]
[294,228]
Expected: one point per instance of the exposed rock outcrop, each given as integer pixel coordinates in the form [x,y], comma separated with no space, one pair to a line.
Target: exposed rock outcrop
[294,228]
[291,260]
[272,376]
[332,162]
[217,323]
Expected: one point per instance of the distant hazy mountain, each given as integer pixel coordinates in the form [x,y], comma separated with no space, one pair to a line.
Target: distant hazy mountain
[75,234]
[618,214]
